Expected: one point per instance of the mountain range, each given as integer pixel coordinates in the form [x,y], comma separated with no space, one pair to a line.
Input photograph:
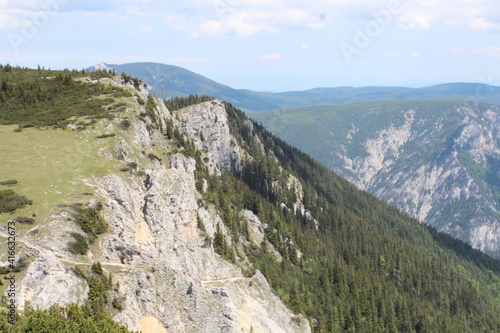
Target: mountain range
[131,213]
[438,161]
[432,152]
[169,81]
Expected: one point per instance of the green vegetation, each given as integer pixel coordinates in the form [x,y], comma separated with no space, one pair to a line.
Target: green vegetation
[90,220]
[221,247]
[9,182]
[177,103]
[50,98]
[92,317]
[104,136]
[353,264]
[24,220]
[129,79]
[125,124]
[72,318]
[364,267]
[331,134]
[80,244]
[199,224]
[51,165]
[10,201]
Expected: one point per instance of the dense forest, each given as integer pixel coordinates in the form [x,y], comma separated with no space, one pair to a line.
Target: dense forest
[347,261]
[364,266]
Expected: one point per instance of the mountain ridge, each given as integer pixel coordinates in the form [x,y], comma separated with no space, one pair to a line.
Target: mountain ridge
[187,82]
[195,218]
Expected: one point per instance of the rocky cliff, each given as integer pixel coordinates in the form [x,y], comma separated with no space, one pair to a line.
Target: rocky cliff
[165,272]
[441,171]
[437,161]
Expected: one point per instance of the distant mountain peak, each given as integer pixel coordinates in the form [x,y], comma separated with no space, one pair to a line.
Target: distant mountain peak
[102,66]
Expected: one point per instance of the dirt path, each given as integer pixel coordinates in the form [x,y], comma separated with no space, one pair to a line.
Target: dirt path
[223,280]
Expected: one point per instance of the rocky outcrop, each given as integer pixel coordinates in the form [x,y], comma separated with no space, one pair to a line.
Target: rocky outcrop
[439,169]
[207,126]
[169,278]
[49,282]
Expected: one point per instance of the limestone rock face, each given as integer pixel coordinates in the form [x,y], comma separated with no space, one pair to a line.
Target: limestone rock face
[49,282]
[169,278]
[431,166]
[206,124]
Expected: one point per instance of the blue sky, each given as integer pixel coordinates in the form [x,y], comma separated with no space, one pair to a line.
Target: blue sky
[266,45]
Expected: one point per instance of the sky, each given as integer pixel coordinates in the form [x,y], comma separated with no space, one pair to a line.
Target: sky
[265,45]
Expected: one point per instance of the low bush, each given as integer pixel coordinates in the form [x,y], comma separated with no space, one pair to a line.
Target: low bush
[103,136]
[79,245]
[125,124]
[24,220]
[10,201]
[9,182]
[90,220]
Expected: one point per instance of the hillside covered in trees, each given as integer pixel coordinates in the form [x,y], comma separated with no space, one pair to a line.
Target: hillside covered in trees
[341,257]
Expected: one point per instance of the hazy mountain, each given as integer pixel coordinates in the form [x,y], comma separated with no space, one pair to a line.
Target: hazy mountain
[437,161]
[168,81]
[180,82]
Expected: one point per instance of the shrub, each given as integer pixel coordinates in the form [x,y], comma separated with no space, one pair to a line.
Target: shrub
[24,220]
[89,219]
[103,136]
[125,124]
[199,224]
[9,182]
[152,156]
[10,201]
[79,245]
[117,304]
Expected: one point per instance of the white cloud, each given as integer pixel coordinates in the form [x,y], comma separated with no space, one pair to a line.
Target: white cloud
[245,23]
[245,18]
[134,10]
[415,54]
[271,16]
[272,56]
[392,54]
[304,45]
[147,29]
[483,24]
[492,51]
[417,21]
[476,15]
